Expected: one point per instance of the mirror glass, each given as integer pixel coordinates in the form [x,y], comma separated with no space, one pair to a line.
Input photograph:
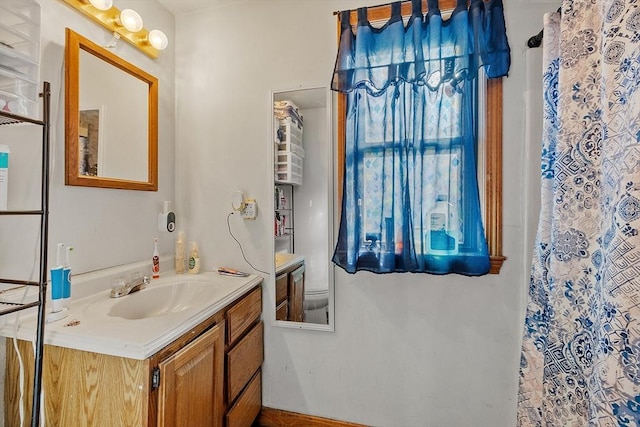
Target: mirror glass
[111,119]
[303,207]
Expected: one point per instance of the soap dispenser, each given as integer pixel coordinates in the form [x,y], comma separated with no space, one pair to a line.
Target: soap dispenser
[194,259]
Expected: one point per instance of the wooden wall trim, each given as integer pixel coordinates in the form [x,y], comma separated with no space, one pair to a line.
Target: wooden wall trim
[493,168]
[270,417]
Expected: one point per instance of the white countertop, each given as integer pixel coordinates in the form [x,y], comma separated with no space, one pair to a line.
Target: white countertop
[284,261]
[92,326]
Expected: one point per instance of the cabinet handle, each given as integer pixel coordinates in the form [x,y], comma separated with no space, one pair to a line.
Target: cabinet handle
[155,378]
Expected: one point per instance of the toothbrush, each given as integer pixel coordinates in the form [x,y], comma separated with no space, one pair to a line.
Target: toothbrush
[231,272]
[156,259]
[66,289]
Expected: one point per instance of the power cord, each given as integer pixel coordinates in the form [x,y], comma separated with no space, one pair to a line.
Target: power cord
[240,246]
[14,338]
[21,367]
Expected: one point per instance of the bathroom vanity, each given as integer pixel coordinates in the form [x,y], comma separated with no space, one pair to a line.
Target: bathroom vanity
[290,273]
[203,370]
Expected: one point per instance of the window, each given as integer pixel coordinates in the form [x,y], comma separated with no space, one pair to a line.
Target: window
[376,230]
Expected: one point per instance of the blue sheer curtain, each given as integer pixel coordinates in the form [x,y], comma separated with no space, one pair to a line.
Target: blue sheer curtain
[410,194]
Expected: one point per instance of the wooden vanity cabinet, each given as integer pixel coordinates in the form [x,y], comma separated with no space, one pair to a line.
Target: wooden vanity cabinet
[208,375]
[290,293]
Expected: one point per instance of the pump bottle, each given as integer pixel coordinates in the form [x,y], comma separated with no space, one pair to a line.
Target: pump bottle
[194,259]
[180,253]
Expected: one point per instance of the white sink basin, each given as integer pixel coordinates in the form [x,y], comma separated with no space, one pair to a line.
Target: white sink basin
[158,301]
[172,298]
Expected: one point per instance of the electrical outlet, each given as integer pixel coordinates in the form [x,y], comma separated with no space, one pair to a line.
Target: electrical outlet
[250,210]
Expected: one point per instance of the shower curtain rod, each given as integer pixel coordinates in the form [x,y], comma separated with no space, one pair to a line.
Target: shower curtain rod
[536,41]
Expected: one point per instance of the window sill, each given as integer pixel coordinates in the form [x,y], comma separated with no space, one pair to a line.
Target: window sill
[496,263]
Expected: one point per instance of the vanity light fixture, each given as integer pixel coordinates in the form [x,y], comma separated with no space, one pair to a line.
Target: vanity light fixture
[127,24]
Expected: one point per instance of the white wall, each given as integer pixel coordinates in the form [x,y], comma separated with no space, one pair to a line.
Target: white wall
[106,227]
[408,349]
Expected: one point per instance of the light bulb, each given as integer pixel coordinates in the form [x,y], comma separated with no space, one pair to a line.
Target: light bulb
[101,4]
[131,20]
[157,39]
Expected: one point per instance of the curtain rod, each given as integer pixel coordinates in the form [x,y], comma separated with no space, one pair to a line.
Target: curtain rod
[536,41]
[424,4]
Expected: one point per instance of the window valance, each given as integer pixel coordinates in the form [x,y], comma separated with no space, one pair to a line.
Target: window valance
[427,51]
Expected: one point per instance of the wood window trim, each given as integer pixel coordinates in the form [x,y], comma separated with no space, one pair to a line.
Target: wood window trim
[493,145]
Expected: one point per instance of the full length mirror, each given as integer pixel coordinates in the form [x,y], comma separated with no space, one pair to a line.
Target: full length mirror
[303,208]
[111,112]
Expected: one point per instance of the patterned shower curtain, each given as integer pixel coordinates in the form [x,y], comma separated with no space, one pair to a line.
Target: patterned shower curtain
[580,363]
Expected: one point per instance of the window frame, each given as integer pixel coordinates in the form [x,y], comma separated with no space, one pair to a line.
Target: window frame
[490,150]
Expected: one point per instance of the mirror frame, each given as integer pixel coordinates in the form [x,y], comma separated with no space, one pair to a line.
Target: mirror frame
[331,214]
[74,44]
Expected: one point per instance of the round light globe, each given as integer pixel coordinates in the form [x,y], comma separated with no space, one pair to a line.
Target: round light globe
[131,20]
[158,39]
[101,4]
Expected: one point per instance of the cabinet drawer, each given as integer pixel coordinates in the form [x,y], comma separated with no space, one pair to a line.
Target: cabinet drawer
[247,408]
[282,283]
[282,311]
[244,360]
[242,315]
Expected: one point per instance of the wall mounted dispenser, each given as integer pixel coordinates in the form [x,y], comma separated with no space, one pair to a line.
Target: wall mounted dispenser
[167,219]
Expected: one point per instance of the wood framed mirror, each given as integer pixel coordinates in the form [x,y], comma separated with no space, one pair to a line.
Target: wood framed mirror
[111,125]
[304,195]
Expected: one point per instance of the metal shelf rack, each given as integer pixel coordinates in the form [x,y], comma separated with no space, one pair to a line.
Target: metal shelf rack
[289,229]
[6,306]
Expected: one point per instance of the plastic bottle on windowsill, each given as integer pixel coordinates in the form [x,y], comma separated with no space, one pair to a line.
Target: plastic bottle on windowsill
[441,237]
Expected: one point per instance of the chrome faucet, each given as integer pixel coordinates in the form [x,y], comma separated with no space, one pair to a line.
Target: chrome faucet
[136,285]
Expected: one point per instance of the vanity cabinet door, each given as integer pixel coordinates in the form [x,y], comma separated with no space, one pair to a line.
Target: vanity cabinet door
[191,383]
[296,295]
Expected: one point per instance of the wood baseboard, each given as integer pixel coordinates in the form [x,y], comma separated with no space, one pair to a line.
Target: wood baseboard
[270,417]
